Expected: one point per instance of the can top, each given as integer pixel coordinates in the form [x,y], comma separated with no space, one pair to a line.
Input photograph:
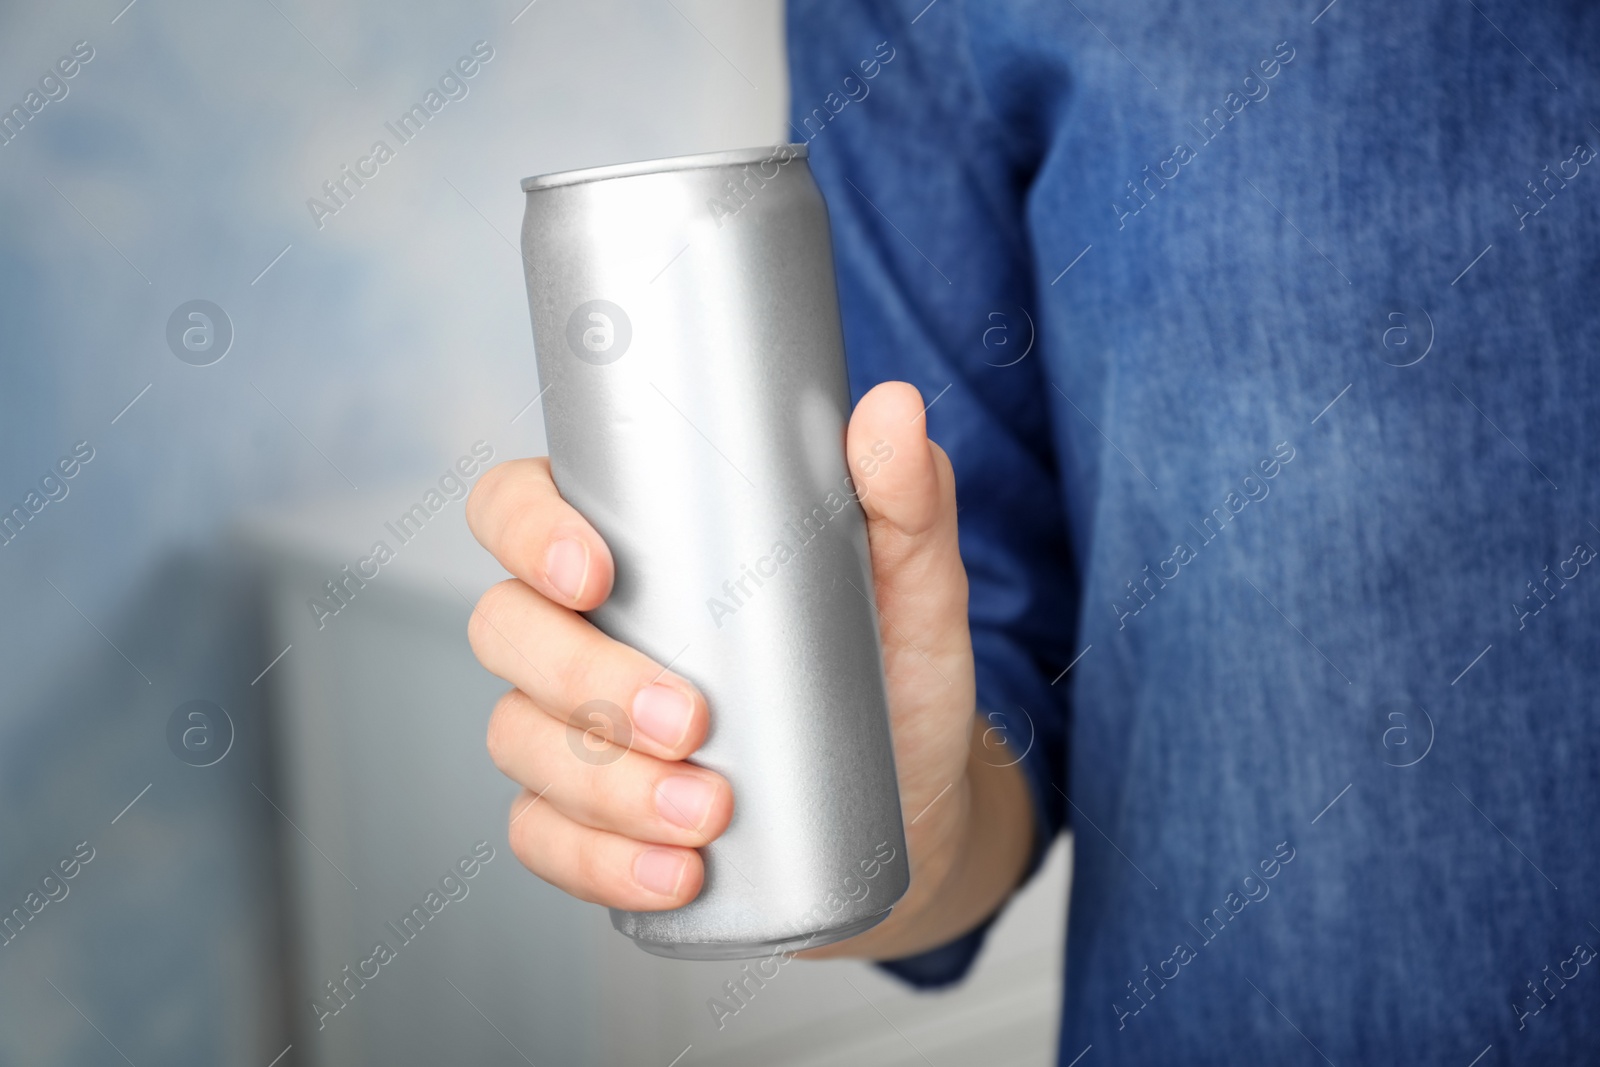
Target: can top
[735,158]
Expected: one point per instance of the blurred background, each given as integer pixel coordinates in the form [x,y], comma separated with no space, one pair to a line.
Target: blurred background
[246,388]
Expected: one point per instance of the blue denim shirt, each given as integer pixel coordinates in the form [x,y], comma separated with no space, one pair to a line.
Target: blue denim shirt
[1262,339]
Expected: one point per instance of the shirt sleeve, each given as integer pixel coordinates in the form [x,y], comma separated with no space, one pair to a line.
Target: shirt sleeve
[926,190]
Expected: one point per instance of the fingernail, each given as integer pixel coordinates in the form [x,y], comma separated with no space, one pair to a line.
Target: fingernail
[566,566]
[664,713]
[660,870]
[686,800]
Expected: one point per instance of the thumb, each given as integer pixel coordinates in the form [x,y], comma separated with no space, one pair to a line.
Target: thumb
[907,488]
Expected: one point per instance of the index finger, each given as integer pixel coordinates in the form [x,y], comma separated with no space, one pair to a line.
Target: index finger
[516,512]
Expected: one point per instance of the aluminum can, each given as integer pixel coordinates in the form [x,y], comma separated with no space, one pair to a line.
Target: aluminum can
[691,365]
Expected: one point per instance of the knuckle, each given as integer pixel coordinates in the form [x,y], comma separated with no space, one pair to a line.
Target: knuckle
[504,498]
[521,836]
[492,498]
[585,671]
[503,727]
[492,609]
[610,795]
[591,874]
[598,667]
[483,493]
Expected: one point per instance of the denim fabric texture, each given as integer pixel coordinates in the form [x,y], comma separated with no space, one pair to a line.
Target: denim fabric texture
[1262,338]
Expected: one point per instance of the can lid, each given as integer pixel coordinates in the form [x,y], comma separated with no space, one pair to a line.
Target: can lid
[736,158]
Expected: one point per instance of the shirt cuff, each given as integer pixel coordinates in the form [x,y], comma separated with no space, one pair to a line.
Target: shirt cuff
[950,962]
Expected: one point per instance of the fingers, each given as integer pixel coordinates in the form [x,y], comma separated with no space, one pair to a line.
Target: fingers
[597,727]
[516,513]
[607,786]
[560,660]
[907,488]
[599,866]
[905,479]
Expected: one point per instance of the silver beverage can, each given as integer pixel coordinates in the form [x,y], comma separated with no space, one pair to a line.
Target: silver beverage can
[691,365]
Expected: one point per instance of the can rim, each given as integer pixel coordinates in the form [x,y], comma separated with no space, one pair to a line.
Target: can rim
[734,158]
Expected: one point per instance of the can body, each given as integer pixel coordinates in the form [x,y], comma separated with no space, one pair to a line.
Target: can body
[686,327]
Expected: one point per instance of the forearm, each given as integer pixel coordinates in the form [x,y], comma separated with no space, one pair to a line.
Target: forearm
[965,863]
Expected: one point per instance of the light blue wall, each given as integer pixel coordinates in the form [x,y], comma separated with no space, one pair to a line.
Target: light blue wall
[372,353]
